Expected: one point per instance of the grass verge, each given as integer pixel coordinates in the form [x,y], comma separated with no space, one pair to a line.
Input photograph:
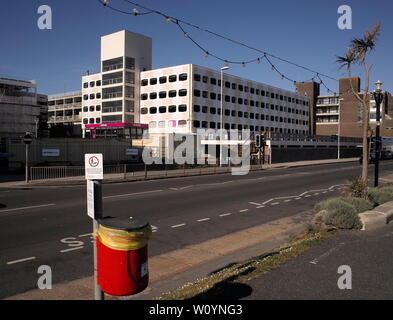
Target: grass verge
[221,284]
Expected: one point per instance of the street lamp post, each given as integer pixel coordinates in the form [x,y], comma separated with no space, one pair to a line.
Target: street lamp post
[378,97]
[222,111]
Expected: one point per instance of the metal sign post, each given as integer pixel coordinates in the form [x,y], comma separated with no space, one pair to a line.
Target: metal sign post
[94,175]
[27,139]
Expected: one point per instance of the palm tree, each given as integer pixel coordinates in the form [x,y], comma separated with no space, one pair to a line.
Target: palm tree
[357,54]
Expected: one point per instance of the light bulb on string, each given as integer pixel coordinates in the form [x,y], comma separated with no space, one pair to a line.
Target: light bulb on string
[105,2]
[206,54]
[135,11]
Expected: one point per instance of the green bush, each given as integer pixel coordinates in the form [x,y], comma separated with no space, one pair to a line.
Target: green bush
[360,204]
[343,219]
[342,213]
[380,195]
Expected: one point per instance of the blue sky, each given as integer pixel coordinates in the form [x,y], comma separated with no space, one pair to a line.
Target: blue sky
[303,31]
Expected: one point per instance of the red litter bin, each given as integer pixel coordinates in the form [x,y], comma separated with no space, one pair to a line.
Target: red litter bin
[122,261]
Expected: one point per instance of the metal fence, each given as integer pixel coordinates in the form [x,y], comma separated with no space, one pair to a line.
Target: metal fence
[58,172]
[124,171]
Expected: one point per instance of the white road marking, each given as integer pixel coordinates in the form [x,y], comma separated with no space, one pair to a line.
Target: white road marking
[225,214]
[243,210]
[85,235]
[71,249]
[275,203]
[178,225]
[261,207]
[154,229]
[255,203]
[132,194]
[298,197]
[204,219]
[26,208]
[21,260]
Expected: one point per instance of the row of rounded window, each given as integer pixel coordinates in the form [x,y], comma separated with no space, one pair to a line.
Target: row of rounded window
[164,109]
[227,112]
[232,99]
[91,120]
[92,96]
[164,94]
[164,79]
[92,84]
[234,126]
[92,108]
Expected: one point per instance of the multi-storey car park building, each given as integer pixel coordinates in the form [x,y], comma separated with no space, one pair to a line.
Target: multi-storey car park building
[65,113]
[22,109]
[182,99]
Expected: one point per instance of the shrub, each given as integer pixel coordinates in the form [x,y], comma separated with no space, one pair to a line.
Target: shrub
[342,213]
[344,219]
[360,204]
[358,188]
[380,195]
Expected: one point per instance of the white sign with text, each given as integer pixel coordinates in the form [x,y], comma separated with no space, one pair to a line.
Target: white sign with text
[94,168]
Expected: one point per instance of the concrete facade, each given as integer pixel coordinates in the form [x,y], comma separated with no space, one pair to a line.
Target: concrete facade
[22,109]
[112,95]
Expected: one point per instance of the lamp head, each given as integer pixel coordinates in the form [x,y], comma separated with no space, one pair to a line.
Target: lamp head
[378,86]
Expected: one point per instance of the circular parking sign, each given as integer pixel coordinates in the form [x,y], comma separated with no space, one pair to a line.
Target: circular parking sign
[93,161]
[27,139]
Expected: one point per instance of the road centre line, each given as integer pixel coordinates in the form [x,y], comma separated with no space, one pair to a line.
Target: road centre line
[261,207]
[26,208]
[178,225]
[204,219]
[132,194]
[225,214]
[243,210]
[21,260]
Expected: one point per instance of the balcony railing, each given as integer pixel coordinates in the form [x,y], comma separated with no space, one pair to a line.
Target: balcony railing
[112,81]
[112,67]
[112,95]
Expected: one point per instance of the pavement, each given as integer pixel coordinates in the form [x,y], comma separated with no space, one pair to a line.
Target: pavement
[314,274]
[201,224]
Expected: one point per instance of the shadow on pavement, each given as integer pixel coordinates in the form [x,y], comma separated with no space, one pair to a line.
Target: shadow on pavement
[225,290]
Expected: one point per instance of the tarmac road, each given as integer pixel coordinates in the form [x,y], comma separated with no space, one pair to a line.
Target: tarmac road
[49,225]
